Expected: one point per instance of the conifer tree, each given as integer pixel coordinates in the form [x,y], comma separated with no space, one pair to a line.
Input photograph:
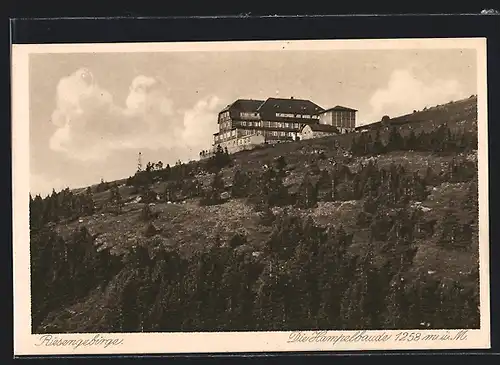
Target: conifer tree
[395,141]
[431,177]
[411,143]
[213,195]
[308,195]
[116,198]
[325,186]
[378,145]
[449,230]
[240,185]
[470,201]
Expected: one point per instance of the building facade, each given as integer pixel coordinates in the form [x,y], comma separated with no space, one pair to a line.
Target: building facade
[318,131]
[276,120]
[341,117]
[247,122]
[243,143]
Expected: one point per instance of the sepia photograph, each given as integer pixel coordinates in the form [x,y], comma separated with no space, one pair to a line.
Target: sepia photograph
[307,190]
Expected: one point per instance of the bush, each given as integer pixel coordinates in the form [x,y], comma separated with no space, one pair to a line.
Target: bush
[147,213]
[267,217]
[149,196]
[151,230]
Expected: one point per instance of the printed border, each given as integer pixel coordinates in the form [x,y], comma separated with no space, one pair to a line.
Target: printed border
[26,343]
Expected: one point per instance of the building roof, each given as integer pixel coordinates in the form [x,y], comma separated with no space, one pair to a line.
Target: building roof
[390,122]
[244,105]
[322,128]
[292,105]
[339,108]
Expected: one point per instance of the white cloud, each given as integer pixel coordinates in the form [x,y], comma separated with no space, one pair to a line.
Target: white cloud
[91,125]
[405,93]
[40,184]
[200,123]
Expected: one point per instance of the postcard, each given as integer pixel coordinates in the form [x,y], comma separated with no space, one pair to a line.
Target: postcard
[250,196]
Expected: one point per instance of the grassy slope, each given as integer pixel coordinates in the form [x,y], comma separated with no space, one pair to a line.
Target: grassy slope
[193,227]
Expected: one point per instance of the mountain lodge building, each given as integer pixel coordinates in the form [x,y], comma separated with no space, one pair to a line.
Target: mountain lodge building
[247,122]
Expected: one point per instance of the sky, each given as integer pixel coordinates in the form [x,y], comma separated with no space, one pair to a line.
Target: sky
[92,113]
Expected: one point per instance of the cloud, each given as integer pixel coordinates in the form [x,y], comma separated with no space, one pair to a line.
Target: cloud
[199,123]
[404,93]
[41,184]
[91,125]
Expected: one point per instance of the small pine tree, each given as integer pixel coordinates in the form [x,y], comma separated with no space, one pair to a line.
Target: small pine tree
[240,185]
[308,194]
[449,230]
[273,190]
[470,202]
[280,163]
[213,195]
[378,145]
[88,202]
[395,141]
[267,217]
[149,196]
[116,198]
[411,143]
[150,230]
[325,186]
[431,177]
[147,213]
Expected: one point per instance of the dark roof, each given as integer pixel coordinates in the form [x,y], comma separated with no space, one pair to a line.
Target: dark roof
[369,126]
[339,108]
[244,105]
[296,106]
[323,128]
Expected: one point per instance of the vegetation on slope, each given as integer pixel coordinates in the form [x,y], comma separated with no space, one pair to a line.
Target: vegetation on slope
[367,230]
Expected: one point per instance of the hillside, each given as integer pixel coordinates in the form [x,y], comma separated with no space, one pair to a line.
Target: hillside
[457,114]
[191,225]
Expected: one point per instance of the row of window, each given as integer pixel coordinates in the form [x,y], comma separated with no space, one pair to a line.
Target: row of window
[225,116]
[250,115]
[279,134]
[268,124]
[344,120]
[245,132]
[339,119]
[239,142]
[249,124]
[225,135]
[303,116]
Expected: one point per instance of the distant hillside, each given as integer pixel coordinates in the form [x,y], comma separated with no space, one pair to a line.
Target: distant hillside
[457,114]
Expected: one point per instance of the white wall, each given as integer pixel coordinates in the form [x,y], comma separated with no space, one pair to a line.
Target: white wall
[306,133]
[242,143]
